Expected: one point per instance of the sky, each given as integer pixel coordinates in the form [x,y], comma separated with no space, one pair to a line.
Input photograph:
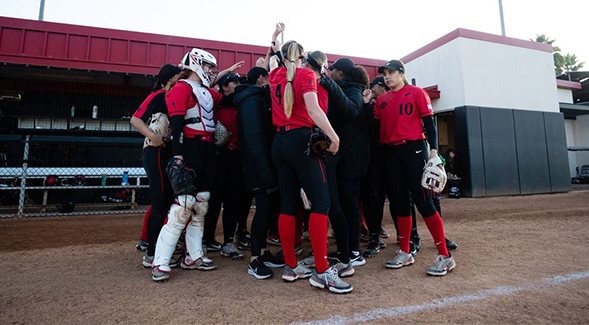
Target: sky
[372,29]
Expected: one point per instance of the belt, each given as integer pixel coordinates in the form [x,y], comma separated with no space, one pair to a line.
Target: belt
[205,138]
[232,146]
[401,142]
[289,127]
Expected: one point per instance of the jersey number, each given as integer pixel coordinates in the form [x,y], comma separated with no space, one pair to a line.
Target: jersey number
[278,93]
[408,109]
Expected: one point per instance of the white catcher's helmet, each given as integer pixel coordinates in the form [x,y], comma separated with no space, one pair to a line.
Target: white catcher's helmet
[194,61]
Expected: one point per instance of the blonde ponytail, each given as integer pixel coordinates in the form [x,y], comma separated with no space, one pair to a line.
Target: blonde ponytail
[293,52]
[405,81]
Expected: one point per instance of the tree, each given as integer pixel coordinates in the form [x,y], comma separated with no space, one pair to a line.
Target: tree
[571,64]
[558,58]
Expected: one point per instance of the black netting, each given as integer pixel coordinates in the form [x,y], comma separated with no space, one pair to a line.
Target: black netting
[66,133]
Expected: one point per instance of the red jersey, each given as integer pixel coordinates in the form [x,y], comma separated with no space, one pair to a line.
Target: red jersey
[400,114]
[154,103]
[323,98]
[228,117]
[303,83]
[182,100]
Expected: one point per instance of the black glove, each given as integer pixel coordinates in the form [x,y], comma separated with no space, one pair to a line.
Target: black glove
[181,178]
[319,142]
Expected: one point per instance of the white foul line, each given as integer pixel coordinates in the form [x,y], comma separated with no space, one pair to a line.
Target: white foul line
[438,303]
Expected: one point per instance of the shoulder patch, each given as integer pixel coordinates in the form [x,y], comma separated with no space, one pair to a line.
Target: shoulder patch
[383,105]
[310,82]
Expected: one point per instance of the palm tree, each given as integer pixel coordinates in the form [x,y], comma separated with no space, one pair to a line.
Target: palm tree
[571,64]
[558,58]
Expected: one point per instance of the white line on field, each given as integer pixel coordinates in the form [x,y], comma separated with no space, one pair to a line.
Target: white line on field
[438,303]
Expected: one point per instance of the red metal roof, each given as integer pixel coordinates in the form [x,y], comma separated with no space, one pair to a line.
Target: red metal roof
[80,47]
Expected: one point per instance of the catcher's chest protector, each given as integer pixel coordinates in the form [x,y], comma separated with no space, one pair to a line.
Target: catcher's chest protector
[203,109]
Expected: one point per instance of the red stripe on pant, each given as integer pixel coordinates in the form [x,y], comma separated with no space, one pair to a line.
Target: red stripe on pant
[144,229]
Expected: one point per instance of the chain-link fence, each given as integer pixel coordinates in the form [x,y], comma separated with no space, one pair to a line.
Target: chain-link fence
[579,165]
[66,144]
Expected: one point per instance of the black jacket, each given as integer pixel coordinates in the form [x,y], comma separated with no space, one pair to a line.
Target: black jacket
[254,124]
[346,114]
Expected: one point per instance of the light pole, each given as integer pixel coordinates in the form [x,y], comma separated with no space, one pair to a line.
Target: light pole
[501,14]
[42,10]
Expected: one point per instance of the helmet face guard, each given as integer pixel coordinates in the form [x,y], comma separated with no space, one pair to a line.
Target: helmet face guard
[195,60]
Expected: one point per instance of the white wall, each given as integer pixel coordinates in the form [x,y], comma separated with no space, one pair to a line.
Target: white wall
[504,76]
[569,127]
[577,134]
[442,67]
[480,73]
[582,131]
[565,96]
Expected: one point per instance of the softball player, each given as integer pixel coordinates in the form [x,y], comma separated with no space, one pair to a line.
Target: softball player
[190,104]
[295,110]
[404,112]
[152,120]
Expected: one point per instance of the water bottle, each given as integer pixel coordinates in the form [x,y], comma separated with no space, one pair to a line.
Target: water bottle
[125,178]
[73,111]
[103,179]
[94,112]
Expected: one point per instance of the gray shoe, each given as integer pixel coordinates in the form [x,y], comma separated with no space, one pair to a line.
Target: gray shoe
[202,263]
[344,270]
[309,261]
[330,280]
[158,276]
[400,260]
[141,245]
[229,250]
[442,265]
[300,272]
[147,260]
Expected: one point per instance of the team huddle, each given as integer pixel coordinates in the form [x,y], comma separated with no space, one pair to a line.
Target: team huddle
[313,150]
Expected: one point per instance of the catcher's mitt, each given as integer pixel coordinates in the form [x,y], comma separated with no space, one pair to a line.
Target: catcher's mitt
[434,177]
[181,178]
[319,142]
[221,134]
[160,125]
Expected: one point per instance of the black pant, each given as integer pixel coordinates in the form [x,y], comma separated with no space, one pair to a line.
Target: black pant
[373,192]
[337,218]
[228,191]
[161,194]
[200,156]
[295,169]
[266,209]
[404,168]
[349,195]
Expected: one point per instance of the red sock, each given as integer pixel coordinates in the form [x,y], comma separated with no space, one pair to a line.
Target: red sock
[318,234]
[144,229]
[404,224]
[286,230]
[436,228]
[299,227]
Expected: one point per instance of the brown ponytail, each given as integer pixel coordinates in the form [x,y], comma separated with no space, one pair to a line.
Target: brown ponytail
[359,75]
[292,51]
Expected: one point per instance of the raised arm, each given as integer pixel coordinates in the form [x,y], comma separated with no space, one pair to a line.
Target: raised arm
[320,119]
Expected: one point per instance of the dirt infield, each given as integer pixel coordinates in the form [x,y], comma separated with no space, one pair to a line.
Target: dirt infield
[85,270]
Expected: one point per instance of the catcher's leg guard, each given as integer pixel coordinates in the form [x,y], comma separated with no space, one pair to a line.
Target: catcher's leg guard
[195,229]
[178,215]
